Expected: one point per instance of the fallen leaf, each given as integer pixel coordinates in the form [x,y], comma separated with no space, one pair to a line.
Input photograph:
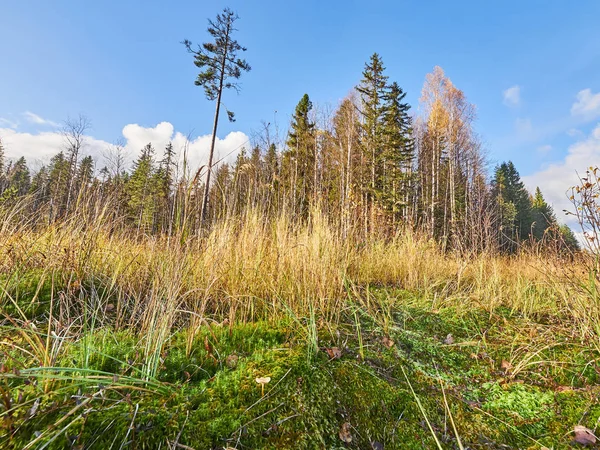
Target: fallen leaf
[207,346]
[564,388]
[344,433]
[334,353]
[387,342]
[583,435]
[232,361]
[33,410]
[449,339]
[533,332]
[506,365]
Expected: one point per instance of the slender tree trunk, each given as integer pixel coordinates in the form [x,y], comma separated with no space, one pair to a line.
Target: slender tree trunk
[204,210]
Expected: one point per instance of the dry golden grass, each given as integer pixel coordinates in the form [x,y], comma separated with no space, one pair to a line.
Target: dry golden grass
[105,277]
[250,268]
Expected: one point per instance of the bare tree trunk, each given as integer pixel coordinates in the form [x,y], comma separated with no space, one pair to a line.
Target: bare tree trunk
[204,209]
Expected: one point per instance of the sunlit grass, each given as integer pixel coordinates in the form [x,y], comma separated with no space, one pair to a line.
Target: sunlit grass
[65,285]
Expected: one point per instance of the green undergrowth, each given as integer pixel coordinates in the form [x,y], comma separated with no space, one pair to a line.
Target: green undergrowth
[505,380]
[26,293]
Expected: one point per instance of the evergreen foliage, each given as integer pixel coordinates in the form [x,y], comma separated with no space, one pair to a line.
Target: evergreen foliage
[300,156]
[542,215]
[141,189]
[368,168]
[514,205]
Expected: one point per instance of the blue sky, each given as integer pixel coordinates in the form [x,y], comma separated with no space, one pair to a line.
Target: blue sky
[121,63]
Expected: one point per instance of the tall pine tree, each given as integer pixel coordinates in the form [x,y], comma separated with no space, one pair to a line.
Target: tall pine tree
[221,69]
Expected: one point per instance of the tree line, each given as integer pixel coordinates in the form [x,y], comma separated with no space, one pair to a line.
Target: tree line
[369,167]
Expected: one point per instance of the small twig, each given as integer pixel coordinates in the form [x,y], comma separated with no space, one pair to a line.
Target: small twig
[286,419]
[176,443]
[239,430]
[184,447]
[130,426]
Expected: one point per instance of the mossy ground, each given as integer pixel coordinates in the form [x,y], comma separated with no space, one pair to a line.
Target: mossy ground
[506,381]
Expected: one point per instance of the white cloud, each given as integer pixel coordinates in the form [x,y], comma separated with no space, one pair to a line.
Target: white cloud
[9,123]
[226,149]
[575,132]
[38,148]
[34,118]
[543,149]
[587,105]
[512,96]
[555,179]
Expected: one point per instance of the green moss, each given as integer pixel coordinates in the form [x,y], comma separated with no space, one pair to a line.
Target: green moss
[523,406]
[205,393]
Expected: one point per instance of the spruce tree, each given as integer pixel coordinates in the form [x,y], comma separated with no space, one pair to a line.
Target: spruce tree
[372,89]
[58,183]
[300,156]
[513,204]
[39,186]
[398,152]
[164,183]
[569,239]
[19,178]
[542,215]
[85,173]
[141,190]
[518,195]
[39,181]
